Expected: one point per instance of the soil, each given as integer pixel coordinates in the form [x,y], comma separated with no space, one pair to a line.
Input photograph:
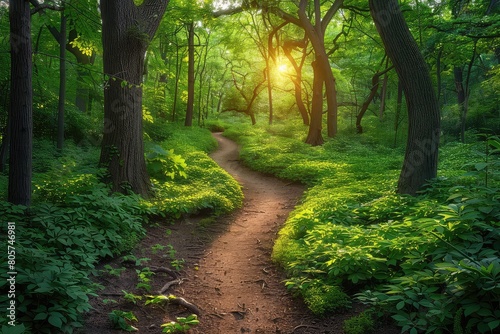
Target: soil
[227,272]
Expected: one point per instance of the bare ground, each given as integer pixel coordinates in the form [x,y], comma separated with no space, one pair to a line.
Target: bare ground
[227,274]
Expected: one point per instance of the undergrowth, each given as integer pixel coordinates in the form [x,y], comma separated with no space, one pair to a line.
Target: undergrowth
[431,262]
[75,221]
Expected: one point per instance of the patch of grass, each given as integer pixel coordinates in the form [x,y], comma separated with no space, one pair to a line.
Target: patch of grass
[359,324]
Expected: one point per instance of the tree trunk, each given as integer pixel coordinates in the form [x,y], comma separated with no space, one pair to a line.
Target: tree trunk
[297,82]
[314,137]
[82,99]
[366,103]
[126,32]
[315,33]
[21,99]
[399,106]
[383,96]
[420,163]
[269,90]
[191,79]
[62,83]
[459,87]
[178,68]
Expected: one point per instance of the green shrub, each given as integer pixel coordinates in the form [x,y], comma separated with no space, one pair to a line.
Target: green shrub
[322,299]
[359,324]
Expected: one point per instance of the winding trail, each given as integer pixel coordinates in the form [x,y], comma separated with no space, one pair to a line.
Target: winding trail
[236,286]
[227,273]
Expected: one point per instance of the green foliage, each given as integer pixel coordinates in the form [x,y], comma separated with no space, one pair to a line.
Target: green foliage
[60,246]
[144,276]
[322,299]
[206,187]
[181,325]
[75,221]
[121,320]
[113,271]
[359,324]
[430,262]
[133,298]
[163,164]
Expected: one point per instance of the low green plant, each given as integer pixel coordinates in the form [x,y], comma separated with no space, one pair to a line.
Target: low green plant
[134,259]
[144,276]
[360,324]
[156,300]
[121,320]
[165,164]
[156,248]
[181,325]
[319,297]
[131,297]
[113,271]
[176,263]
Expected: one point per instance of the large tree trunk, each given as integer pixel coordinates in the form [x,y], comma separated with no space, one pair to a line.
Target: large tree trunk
[21,110]
[421,158]
[126,32]
[314,136]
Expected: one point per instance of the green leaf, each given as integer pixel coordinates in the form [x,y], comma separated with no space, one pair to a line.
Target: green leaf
[400,305]
[19,329]
[40,316]
[56,320]
[493,324]
[481,165]
[400,318]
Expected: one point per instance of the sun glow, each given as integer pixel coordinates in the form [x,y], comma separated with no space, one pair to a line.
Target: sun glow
[282,68]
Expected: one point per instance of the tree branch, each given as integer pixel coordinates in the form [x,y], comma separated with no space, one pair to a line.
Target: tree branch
[39,7]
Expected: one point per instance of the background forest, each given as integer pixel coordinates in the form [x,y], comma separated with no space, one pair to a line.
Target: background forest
[426,258]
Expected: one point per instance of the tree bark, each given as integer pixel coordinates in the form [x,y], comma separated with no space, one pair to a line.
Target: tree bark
[369,99]
[191,79]
[421,157]
[314,136]
[126,32]
[62,83]
[297,81]
[21,99]
[459,87]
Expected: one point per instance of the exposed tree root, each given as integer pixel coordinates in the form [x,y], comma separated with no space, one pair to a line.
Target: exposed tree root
[168,285]
[170,272]
[304,326]
[181,301]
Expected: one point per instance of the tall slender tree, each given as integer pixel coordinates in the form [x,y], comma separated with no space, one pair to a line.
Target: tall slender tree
[21,110]
[421,158]
[127,29]
[315,21]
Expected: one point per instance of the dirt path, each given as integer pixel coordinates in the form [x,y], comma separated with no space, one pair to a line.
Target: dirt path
[237,286]
[227,273]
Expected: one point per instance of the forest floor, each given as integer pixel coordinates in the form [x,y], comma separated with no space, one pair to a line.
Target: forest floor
[228,273]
